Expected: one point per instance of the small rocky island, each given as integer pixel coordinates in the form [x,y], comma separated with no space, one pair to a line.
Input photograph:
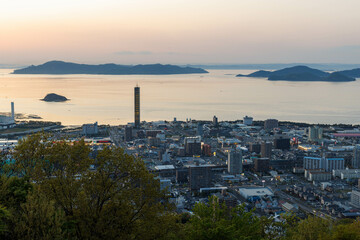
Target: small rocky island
[52,97]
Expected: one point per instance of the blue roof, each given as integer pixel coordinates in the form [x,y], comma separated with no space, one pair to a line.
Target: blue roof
[317,158]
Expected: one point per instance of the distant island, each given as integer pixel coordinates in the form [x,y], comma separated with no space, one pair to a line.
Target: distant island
[304,73]
[52,97]
[60,67]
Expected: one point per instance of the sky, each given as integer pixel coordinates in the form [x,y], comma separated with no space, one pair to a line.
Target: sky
[180,31]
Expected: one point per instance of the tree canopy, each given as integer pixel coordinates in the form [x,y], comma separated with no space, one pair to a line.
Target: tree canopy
[111,196]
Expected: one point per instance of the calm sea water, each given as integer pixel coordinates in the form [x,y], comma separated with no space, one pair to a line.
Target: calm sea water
[109,99]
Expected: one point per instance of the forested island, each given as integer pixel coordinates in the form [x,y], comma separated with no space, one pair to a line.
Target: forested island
[60,67]
[304,73]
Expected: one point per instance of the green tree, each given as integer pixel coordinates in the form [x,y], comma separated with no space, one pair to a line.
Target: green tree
[30,152]
[39,218]
[120,199]
[347,231]
[311,228]
[13,191]
[122,187]
[215,221]
[273,229]
[4,217]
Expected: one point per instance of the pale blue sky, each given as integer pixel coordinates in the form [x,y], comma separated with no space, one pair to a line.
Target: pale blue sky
[180,31]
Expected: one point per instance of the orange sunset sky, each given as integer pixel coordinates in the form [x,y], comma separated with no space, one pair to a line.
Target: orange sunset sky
[179,31]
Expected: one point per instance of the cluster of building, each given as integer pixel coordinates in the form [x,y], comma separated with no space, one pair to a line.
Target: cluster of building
[194,159]
[269,165]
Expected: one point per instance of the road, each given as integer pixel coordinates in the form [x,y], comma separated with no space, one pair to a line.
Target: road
[115,136]
[303,206]
[30,131]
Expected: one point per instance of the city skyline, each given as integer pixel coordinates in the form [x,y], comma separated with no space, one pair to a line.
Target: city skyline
[246,126]
[179,32]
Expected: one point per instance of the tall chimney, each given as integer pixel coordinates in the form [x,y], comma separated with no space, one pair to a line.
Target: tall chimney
[12,111]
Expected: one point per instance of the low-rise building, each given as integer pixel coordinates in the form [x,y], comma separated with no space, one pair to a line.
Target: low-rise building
[319,176]
[165,184]
[355,198]
[346,173]
[255,192]
[90,129]
[200,177]
[288,207]
[298,170]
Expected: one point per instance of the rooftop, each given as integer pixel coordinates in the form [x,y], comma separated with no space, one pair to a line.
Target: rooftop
[255,191]
[164,167]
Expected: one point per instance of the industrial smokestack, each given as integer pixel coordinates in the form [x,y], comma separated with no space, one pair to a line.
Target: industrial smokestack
[12,111]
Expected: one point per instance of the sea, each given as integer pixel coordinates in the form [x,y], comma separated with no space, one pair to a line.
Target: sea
[109,99]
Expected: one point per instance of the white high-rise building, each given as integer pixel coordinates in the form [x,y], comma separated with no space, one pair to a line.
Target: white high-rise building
[248,120]
[315,134]
[235,162]
[334,164]
[312,163]
[355,163]
[328,164]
